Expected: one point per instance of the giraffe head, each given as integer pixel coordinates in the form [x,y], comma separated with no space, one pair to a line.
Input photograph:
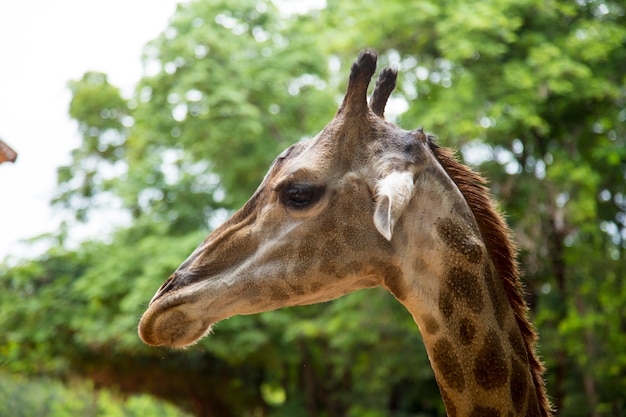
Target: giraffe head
[320,225]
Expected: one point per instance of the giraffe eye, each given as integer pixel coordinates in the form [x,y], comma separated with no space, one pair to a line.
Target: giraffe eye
[300,196]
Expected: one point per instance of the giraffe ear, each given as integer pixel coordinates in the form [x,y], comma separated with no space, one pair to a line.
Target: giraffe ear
[393,194]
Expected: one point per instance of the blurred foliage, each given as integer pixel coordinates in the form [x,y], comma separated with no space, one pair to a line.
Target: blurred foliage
[531,92]
[20,397]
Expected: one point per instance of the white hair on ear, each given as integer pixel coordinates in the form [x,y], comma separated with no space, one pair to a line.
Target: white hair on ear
[397,184]
[393,193]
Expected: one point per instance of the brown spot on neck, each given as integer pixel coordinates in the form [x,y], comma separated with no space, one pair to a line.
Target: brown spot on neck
[430,324]
[491,368]
[519,386]
[448,365]
[517,344]
[497,296]
[394,280]
[479,411]
[467,331]
[465,287]
[459,240]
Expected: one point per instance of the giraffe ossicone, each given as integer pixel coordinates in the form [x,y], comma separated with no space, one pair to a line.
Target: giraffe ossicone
[362,204]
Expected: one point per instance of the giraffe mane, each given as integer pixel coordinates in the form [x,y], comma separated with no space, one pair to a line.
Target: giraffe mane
[502,251]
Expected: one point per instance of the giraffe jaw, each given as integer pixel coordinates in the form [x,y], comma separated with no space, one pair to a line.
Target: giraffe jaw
[183,315]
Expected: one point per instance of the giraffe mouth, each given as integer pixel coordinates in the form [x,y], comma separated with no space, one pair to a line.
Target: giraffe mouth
[171,322]
[183,310]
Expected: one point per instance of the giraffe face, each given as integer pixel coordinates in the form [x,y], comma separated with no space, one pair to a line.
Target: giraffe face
[309,234]
[320,225]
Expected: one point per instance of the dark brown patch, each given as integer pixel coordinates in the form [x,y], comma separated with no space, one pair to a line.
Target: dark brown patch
[430,324]
[351,268]
[250,290]
[519,386]
[330,226]
[296,287]
[278,294]
[464,211]
[450,407]
[418,264]
[465,286]
[394,281]
[459,241]
[479,411]
[467,331]
[304,253]
[291,281]
[491,367]
[446,304]
[497,297]
[518,345]
[533,408]
[316,287]
[448,364]
[329,269]
[338,269]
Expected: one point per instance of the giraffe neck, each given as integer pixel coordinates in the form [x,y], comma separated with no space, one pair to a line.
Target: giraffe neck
[453,291]
[476,351]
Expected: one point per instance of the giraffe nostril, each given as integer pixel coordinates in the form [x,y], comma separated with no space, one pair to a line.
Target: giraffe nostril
[167,282]
[179,279]
[166,287]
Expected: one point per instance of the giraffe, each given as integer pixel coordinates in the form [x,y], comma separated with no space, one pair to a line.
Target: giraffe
[362,204]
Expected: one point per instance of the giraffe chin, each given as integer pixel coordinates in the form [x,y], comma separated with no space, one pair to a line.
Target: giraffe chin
[172,328]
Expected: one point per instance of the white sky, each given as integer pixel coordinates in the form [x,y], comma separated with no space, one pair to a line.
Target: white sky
[43,45]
